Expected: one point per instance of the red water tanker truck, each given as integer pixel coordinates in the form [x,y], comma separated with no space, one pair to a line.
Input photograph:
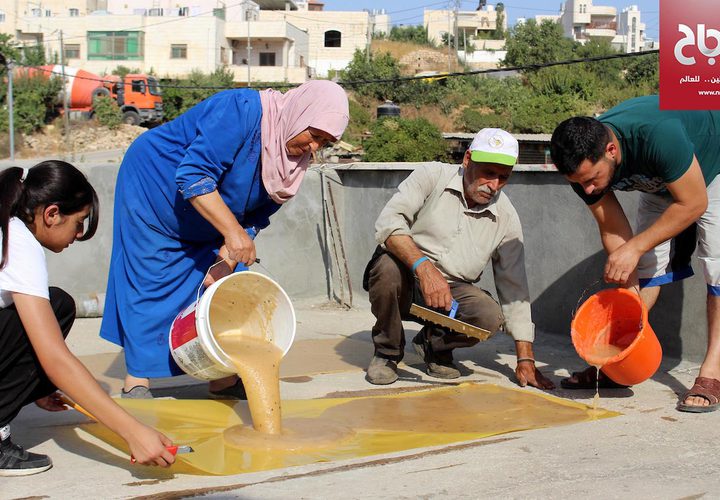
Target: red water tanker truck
[138,96]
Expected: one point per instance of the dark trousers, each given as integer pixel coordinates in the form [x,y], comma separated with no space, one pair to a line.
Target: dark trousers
[393,288]
[22,379]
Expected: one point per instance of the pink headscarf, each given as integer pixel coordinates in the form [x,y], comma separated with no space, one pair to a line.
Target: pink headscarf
[320,104]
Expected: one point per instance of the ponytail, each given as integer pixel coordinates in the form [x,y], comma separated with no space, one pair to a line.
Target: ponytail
[51,182]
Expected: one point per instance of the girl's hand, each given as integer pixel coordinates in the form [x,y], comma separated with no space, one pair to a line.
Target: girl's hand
[53,402]
[149,447]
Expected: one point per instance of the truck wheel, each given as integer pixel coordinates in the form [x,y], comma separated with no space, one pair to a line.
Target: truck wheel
[100,92]
[131,118]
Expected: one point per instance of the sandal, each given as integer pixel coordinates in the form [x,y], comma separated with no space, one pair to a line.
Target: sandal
[137,392]
[704,387]
[586,380]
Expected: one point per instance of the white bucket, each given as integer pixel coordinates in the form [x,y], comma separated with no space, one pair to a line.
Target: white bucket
[247,301]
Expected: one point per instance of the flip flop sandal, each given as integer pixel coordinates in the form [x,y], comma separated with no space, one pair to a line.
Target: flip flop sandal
[586,380]
[704,387]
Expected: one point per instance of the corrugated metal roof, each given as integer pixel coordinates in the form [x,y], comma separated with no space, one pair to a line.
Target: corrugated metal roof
[519,137]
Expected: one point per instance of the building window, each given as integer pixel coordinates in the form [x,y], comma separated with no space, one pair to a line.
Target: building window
[155,12]
[184,11]
[116,45]
[2,17]
[35,12]
[267,58]
[178,51]
[333,38]
[48,13]
[74,12]
[72,51]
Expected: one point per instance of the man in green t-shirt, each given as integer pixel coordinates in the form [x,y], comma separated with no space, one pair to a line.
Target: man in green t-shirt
[673,159]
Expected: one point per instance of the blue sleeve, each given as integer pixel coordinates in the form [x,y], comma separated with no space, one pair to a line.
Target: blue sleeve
[225,123]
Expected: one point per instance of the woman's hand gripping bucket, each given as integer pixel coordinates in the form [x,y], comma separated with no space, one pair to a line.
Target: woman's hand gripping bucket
[246,301]
[611,330]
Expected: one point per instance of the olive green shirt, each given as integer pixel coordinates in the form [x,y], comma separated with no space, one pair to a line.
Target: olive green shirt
[430,207]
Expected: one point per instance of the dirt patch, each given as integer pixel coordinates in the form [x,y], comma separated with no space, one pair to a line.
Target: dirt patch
[414,58]
[83,137]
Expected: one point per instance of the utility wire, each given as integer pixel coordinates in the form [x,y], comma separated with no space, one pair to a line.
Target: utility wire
[354,83]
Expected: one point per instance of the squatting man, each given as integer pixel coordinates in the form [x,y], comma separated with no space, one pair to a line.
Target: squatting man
[436,235]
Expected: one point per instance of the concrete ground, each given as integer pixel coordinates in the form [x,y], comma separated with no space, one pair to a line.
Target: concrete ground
[650,451]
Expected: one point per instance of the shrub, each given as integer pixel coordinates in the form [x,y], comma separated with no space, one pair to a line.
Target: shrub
[107,112]
[472,120]
[398,139]
[412,34]
[361,119]
[379,67]
[540,114]
[34,100]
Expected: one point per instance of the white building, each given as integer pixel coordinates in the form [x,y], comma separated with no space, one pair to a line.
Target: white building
[581,21]
[474,29]
[333,36]
[470,25]
[265,40]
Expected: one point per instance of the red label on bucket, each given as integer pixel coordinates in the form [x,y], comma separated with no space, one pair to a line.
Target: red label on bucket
[183,328]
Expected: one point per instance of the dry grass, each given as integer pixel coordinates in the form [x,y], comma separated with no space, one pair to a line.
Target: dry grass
[433,114]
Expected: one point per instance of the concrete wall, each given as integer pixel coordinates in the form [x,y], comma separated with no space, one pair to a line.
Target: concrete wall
[318,244]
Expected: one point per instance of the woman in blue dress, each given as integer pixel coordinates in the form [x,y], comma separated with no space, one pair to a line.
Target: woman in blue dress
[198,189]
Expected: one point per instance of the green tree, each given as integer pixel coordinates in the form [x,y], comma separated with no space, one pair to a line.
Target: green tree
[378,67]
[412,34]
[122,71]
[609,70]
[540,114]
[471,120]
[565,80]
[33,55]
[533,43]
[179,95]
[34,100]
[8,51]
[398,139]
[643,71]
[499,32]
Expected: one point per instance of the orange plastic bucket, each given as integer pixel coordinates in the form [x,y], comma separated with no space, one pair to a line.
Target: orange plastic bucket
[611,330]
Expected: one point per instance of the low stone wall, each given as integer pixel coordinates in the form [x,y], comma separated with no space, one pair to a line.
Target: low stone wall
[318,244]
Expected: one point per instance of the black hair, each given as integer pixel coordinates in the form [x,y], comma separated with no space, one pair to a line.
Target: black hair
[578,139]
[51,182]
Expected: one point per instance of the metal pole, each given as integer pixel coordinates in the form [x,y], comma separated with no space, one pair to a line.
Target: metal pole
[449,34]
[369,37]
[66,117]
[10,110]
[249,48]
